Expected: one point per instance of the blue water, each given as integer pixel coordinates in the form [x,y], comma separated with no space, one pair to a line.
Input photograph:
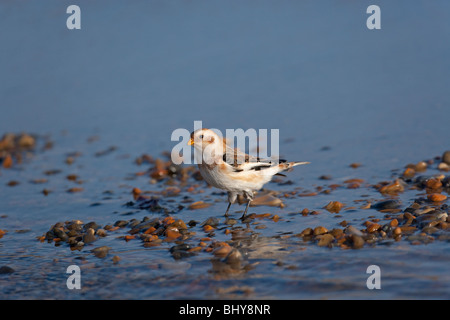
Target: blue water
[137,71]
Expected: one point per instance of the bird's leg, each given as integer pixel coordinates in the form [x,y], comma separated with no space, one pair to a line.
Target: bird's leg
[231,199]
[246,208]
[249,196]
[228,208]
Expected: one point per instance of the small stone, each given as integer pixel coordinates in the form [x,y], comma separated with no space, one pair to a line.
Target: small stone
[446,157]
[121,223]
[319,230]
[26,141]
[7,162]
[334,206]
[325,240]
[92,225]
[89,236]
[337,233]
[373,227]
[6,270]
[12,183]
[353,231]
[357,242]
[101,252]
[116,259]
[393,223]
[409,173]
[266,200]
[421,166]
[306,232]
[388,204]
[212,221]
[222,251]
[199,205]
[393,188]
[433,183]
[443,166]
[436,197]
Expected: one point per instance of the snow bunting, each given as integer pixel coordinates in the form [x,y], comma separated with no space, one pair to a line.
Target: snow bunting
[220,167]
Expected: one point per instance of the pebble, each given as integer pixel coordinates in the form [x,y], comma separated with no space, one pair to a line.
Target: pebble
[373,227]
[393,223]
[325,240]
[394,188]
[89,236]
[121,223]
[266,200]
[116,259]
[319,230]
[443,166]
[211,221]
[351,230]
[91,225]
[181,251]
[357,241]
[409,173]
[446,157]
[437,197]
[334,206]
[6,270]
[101,252]
[199,205]
[421,166]
[388,204]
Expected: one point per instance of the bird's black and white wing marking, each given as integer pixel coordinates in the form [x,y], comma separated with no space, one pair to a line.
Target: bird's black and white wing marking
[241,162]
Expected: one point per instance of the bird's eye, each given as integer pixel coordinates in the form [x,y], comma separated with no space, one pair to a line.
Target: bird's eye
[201,136]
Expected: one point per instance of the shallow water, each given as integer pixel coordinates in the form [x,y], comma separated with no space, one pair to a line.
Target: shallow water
[339,94]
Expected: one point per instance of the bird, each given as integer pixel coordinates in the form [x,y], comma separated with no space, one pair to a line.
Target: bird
[231,169]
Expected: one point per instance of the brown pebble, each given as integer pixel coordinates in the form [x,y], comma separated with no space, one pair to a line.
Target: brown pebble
[306,232]
[334,206]
[397,231]
[13,183]
[7,162]
[101,252]
[408,216]
[433,183]
[393,188]
[325,240]
[436,197]
[421,166]
[222,251]
[355,165]
[116,259]
[373,227]
[407,228]
[319,230]
[337,233]
[393,223]
[409,173]
[72,177]
[357,242]
[199,205]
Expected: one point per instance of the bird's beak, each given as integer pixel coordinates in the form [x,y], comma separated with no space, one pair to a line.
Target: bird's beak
[191,142]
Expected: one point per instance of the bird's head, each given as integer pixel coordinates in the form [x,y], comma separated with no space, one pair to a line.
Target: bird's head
[206,141]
